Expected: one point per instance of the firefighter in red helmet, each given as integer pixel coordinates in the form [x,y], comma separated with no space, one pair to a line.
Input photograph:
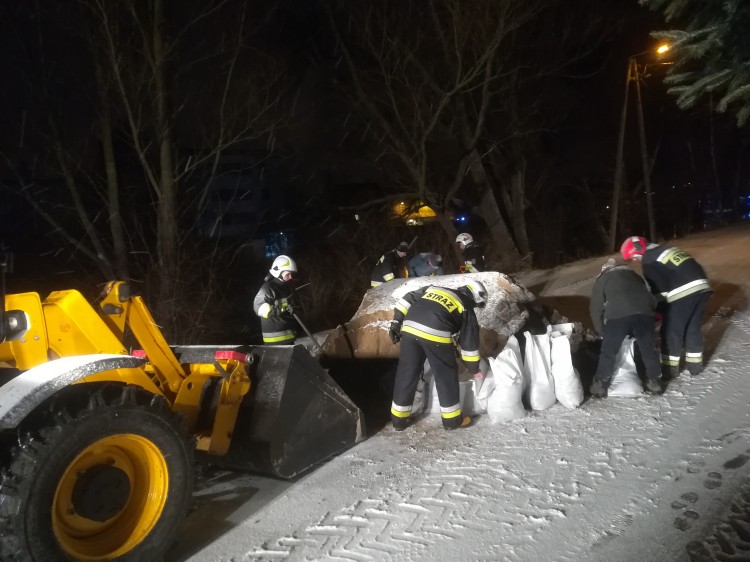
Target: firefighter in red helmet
[680,284]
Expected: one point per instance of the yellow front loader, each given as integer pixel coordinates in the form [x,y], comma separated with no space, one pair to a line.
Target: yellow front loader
[97,441]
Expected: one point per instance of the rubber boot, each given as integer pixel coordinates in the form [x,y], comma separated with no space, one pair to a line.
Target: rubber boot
[694,369]
[456,423]
[669,372]
[654,387]
[597,389]
[400,424]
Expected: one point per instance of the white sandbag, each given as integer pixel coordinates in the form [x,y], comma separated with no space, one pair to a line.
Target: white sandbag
[537,366]
[426,400]
[568,387]
[625,381]
[565,329]
[471,405]
[504,394]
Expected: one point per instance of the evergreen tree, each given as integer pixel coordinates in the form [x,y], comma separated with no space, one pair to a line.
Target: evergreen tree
[711,51]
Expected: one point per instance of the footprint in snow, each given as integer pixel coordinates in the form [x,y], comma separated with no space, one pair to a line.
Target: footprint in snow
[713,481]
[683,523]
[737,461]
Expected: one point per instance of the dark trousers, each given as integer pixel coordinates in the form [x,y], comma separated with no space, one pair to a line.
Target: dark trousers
[639,326]
[681,330]
[442,359]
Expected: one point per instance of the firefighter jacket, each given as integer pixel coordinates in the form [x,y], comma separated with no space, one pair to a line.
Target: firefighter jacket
[386,268]
[473,258]
[272,304]
[435,314]
[672,273]
[619,292]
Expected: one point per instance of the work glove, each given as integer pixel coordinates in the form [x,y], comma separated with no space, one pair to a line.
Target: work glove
[395,331]
[478,382]
[289,310]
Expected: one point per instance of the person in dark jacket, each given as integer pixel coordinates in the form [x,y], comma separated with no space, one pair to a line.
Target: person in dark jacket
[389,265]
[622,305]
[472,253]
[425,265]
[273,303]
[683,290]
[424,321]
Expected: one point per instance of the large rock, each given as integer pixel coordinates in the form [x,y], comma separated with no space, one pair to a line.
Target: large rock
[365,336]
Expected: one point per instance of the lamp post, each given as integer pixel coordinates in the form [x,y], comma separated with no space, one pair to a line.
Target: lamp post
[633,75]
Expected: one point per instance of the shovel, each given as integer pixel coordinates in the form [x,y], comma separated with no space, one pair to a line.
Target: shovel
[315,341]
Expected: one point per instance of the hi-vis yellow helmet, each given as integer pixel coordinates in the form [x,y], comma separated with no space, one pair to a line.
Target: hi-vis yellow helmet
[282,264]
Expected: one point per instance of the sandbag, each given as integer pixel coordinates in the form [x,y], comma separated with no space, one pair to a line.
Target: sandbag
[537,367]
[625,381]
[568,387]
[426,400]
[504,393]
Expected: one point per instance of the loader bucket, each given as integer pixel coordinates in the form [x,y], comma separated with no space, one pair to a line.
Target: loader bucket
[294,417]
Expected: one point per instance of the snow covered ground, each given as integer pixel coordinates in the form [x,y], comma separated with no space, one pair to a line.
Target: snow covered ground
[647,478]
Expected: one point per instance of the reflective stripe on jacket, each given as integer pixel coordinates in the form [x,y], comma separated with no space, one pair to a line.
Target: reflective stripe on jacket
[672,273]
[270,304]
[435,314]
[385,269]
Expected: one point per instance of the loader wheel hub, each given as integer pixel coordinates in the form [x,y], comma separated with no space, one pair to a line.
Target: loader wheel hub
[110,497]
[101,492]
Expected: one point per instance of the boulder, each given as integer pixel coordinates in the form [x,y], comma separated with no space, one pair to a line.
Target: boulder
[510,307]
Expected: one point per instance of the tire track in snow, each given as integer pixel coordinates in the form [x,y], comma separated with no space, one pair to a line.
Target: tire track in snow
[478,489]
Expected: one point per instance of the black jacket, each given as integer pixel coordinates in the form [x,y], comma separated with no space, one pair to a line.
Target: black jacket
[619,292]
[435,314]
[672,273]
[473,258]
[271,305]
[386,268]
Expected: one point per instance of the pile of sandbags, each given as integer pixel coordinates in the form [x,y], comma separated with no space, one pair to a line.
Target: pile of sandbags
[544,376]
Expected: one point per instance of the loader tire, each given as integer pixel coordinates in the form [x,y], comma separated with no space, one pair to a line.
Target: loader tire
[111,480]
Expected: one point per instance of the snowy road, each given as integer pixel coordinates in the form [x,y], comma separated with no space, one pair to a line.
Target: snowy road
[651,478]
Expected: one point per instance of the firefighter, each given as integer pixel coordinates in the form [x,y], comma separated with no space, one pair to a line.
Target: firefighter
[683,289]
[424,321]
[389,265]
[622,305]
[273,303]
[425,265]
[472,253]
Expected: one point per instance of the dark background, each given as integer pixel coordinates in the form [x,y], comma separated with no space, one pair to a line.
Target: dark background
[310,173]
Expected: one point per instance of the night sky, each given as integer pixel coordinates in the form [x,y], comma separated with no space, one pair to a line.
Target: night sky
[303,152]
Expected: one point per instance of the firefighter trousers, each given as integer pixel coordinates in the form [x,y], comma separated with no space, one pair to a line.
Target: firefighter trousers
[641,327]
[442,360]
[681,331]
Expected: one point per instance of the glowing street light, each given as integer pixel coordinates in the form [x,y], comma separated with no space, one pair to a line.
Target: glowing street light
[634,74]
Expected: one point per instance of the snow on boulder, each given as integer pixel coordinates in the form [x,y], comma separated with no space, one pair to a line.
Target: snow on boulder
[365,336]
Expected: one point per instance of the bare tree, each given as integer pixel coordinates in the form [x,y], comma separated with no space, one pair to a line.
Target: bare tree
[423,75]
[171,97]
[456,97]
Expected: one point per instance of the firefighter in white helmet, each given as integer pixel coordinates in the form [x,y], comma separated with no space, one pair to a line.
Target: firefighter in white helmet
[472,253]
[425,321]
[273,303]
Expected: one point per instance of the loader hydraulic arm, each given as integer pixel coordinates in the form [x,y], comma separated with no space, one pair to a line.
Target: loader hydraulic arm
[120,310]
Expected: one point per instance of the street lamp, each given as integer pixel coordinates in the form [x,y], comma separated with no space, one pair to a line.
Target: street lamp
[633,74]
